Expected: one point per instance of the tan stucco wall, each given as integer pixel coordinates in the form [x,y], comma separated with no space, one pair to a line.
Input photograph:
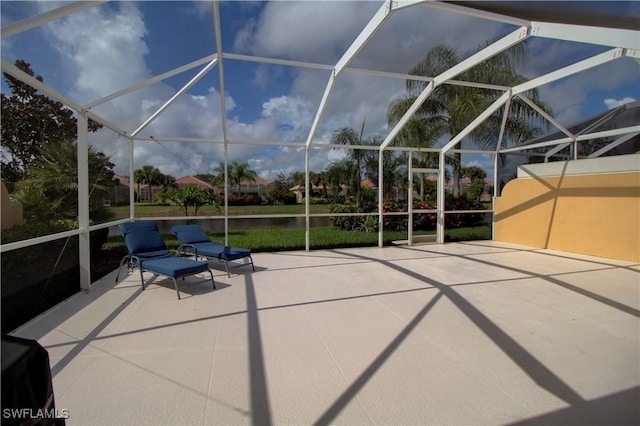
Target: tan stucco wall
[11,213]
[590,213]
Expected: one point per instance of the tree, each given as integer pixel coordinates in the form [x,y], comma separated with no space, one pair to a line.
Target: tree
[150,176]
[450,108]
[50,189]
[357,157]
[476,186]
[188,196]
[31,121]
[239,173]
[279,192]
[218,177]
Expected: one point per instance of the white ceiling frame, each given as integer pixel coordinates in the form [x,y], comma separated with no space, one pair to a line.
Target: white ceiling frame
[499,46]
[179,93]
[613,37]
[461,10]
[583,65]
[593,125]
[613,144]
[326,67]
[151,81]
[498,103]
[603,134]
[543,113]
[38,85]
[223,107]
[365,35]
[43,18]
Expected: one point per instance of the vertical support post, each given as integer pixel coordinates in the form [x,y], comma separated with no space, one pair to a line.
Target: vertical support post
[83,202]
[380,198]
[307,197]
[496,192]
[410,200]
[132,191]
[440,199]
[226,192]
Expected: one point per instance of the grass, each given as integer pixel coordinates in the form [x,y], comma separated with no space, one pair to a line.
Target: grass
[282,239]
[144,210]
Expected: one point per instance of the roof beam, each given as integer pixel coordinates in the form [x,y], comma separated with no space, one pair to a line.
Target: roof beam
[613,37]
[365,35]
[461,10]
[43,18]
[594,61]
[477,121]
[613,144]
[603,134]
[151,81]
[499,46]
[179,93]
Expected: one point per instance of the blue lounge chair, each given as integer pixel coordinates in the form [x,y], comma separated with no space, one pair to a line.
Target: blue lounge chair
[148,252]
[194,241]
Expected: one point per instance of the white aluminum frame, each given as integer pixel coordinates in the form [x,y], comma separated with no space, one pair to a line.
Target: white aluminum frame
[624,43]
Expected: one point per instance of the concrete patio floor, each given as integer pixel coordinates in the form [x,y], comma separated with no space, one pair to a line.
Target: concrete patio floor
[461,333]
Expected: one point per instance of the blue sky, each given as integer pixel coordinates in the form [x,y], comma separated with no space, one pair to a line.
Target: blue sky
[104,49]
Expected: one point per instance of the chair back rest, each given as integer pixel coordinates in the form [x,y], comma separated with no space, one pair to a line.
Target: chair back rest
[190,234]
[142,237]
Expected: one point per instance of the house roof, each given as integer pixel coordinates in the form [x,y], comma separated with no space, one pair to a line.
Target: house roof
[192,180]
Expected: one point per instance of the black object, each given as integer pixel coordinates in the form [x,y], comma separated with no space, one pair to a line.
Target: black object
[27,389]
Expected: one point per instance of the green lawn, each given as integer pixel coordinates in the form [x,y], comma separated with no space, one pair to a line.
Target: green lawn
[281,239]
[144,210]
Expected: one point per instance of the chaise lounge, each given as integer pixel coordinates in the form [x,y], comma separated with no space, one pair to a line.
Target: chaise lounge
[194,241]
[148,252]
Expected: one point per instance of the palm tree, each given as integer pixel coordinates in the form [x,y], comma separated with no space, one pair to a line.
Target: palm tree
[218,179]
[450,108]
[358,157]
[239,173]
[149,175]
[50,190]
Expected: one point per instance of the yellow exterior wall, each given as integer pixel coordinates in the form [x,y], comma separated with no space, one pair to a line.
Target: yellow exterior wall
[595,214]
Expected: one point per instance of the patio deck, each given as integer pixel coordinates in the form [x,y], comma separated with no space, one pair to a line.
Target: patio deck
[461,333]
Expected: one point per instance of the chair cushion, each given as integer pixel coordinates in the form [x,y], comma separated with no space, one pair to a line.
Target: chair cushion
[144,242]
[190,234]
[174,266]
[222,252]
[142,237]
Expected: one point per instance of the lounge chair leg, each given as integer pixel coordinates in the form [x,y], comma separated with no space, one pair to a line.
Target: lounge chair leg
[175,283]
[141,278]
[212,280]
[252,266]
[120,266]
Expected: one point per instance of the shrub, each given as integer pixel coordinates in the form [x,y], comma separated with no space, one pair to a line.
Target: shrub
[346,223]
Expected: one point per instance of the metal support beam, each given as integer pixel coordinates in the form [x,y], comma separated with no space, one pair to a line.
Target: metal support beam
[83,201]
[569,70]
[475,123]
[613,144]
[499,46]
[43,18]
[365,35]
[223,114]
[151,81]
[179,93]
[613,37]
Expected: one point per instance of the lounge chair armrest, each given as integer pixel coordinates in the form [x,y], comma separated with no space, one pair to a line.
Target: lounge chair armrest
[186,249]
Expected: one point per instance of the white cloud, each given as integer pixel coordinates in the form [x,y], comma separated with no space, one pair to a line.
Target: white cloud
[614,103]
